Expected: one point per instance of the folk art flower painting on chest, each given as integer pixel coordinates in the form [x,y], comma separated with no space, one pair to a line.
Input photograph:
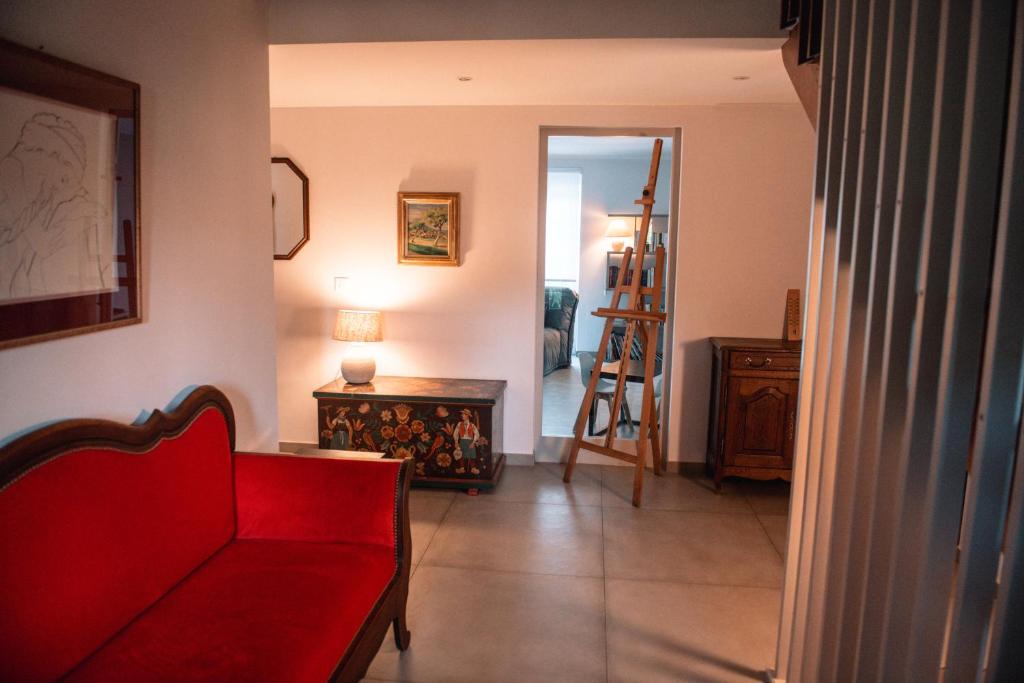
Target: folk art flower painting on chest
[446,441]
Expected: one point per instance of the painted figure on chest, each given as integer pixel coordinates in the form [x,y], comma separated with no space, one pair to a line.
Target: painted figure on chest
[341,430]
[466,436]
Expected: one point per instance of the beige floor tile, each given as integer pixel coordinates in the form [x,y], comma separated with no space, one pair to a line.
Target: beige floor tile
[521,537]
[470,625]
[777,527]
[671,491]
[660,631]
[766,497]
[695,547]
[437,494]
[426,511]
[542,483]
[562,394]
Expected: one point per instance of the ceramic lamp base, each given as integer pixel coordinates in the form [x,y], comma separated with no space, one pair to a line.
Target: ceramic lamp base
[618,246]
[358,370]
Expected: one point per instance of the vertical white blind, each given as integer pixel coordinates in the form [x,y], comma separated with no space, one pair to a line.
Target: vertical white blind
[913,372]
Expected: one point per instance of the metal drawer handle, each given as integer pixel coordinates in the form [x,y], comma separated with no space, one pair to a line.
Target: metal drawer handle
[764,362]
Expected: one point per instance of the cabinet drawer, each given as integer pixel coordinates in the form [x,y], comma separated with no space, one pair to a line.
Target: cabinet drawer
[766,360]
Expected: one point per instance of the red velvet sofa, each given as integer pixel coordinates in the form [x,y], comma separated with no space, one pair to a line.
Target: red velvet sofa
[157,553]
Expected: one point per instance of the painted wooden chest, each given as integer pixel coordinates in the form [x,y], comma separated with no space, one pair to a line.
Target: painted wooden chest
[450,427]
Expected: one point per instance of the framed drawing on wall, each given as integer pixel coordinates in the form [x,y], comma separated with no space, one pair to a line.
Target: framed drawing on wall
[69,198]
[428,228]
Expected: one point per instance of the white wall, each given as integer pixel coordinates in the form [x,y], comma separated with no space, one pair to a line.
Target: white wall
[609,186]
[206,235]
[746,178]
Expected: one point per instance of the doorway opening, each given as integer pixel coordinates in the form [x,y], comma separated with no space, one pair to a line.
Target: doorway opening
[590,178]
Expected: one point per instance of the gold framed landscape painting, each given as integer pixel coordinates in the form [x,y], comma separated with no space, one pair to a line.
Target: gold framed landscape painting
[428,228]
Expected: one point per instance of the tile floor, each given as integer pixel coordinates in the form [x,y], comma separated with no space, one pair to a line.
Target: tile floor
[542,581]
[563,393]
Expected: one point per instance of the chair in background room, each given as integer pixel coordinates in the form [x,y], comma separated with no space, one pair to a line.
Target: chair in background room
[605,390]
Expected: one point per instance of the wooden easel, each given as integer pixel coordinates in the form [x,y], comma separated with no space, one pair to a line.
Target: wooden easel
[642,320]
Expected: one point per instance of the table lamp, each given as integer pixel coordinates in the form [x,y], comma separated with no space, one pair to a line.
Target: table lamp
[359,327]
[618,229]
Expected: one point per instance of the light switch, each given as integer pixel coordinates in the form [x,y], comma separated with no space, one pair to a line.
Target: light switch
[339,282]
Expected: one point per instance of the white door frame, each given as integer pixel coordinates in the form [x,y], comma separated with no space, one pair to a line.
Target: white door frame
[546,132]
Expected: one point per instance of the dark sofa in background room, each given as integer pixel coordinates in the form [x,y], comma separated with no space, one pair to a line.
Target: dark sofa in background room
[559,321]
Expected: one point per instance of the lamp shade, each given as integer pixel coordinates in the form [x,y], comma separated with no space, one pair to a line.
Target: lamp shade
[618,228]
[358,326]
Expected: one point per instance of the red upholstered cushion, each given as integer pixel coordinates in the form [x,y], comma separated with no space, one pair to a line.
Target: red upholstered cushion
[90,539]
[316,499]
[256,611]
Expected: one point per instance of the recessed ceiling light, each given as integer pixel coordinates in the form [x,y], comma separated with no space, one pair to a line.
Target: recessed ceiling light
[741,78]
[465,78]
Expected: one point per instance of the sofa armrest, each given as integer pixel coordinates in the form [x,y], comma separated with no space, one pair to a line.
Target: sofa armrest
[328,500]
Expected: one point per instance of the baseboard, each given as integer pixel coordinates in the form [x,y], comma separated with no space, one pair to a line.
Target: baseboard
[689,469]
[519,459]
[556,449]
[549,449]
[294,446]
[552,449]
[514,459]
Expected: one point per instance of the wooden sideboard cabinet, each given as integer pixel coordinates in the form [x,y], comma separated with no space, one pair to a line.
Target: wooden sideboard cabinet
[752,420]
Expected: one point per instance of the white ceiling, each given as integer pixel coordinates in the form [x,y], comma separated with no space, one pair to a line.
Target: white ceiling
[371,21]
[632,71]
[617,147]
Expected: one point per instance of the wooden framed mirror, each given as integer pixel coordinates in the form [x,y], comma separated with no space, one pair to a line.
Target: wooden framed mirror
[290,202]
